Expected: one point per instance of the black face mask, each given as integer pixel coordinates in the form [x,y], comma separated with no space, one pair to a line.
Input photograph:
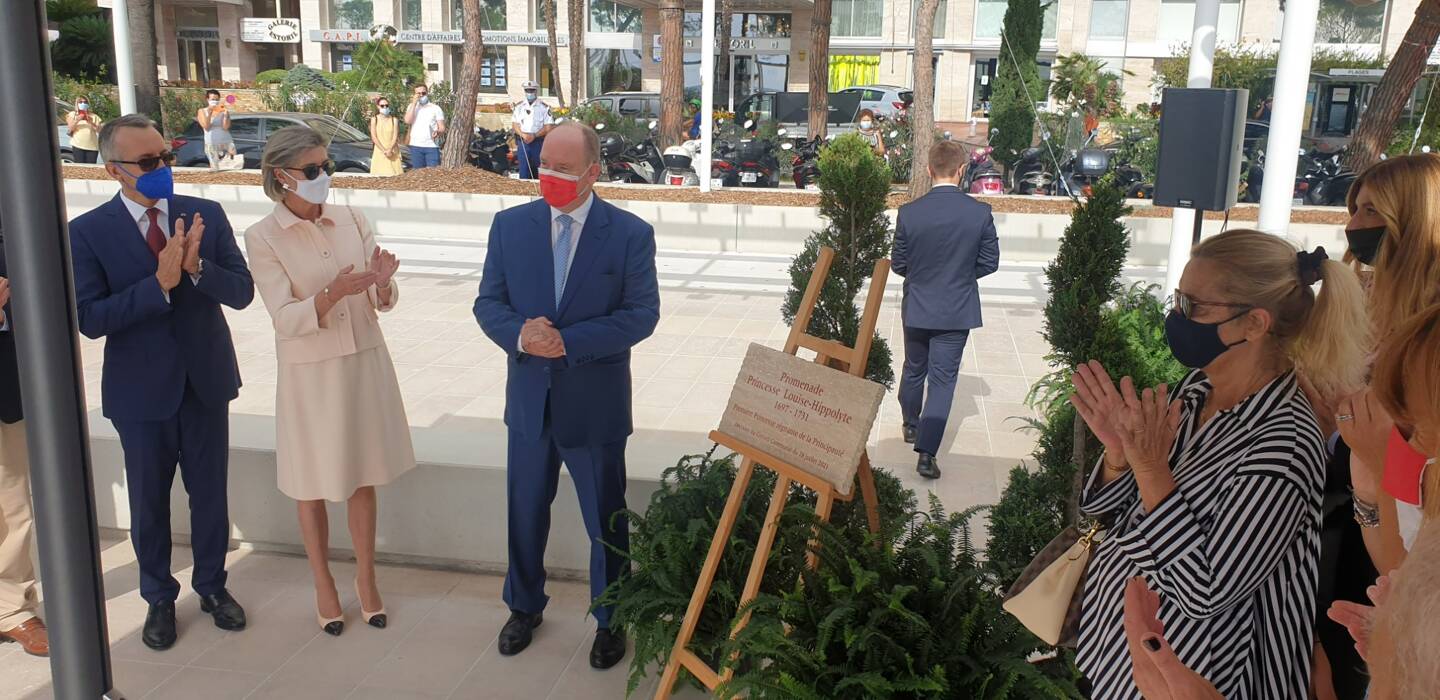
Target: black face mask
[1196,344]
[1365,242]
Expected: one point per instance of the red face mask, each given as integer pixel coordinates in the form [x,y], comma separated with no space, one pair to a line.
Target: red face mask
[1404,469]
[559,189]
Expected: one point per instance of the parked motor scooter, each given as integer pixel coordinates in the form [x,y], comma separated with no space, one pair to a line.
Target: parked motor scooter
[490,151]
[680,164]
[759,165]
[1029,176]
[639,164]
[805,166]
[981,176]
[1329,180]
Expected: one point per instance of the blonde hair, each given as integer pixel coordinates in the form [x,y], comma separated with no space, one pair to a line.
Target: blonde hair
[1409,617]
[1407,268]
[282,150]
[1325,334]
[1407,382]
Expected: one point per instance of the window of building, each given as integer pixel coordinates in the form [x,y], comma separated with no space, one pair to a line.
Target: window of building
[412,14]
[492,15]
[853,69]
[984,85]
[1345,22]
[990,19]
[540,25]
[857,18]
[544,72]
[1108,19]
[612,70]
[197,31]
[1177,21]
[767,73]
[939,18]
[494,73]
[610,16]
[761,25]
[267,8]
[352,14]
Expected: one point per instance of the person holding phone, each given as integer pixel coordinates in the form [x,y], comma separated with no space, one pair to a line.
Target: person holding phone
[214,119]
[427,125]
[84,129]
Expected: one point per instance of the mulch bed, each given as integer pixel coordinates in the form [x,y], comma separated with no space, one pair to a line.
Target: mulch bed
[476,181]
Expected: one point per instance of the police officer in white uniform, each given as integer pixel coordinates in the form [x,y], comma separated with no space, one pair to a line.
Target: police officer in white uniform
[531,121]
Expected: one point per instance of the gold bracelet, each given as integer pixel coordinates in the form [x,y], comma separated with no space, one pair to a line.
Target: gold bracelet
[1124,466]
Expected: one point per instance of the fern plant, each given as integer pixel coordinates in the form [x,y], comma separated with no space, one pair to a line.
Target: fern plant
[919,619]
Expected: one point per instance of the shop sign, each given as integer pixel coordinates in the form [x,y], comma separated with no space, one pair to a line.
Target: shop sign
[523,39]
[1357,72]
[740,45]
[340,36]
[270,30]
[198,33]
[412,36]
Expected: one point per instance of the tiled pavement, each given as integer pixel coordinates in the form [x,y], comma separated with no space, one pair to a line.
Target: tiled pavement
[441,643]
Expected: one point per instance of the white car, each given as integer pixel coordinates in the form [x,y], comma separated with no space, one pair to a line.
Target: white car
[883,100]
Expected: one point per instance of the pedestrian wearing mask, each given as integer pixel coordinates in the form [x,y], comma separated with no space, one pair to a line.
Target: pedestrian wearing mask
[870,131]
[427,125]
[214,119]
[84,129]
[340,425]
[530,121]
[385,134]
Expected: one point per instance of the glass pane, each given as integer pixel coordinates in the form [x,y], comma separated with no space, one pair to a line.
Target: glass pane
[989,16]
[616,70]
[334,129]
[602,16]
[1344,22]
[493,71]
[544,72]
[410,14]
[939,17]
[354,14]
[869,14]
[1177,21]
[273,125]
[245,129]
[1107,19]
[196,17]
[840,21]
[1052,20]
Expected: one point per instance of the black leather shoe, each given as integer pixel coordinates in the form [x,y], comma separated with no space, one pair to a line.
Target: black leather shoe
[228,614]
[927,466]
[160,626]
[909,432]
[608,650]
[518,631]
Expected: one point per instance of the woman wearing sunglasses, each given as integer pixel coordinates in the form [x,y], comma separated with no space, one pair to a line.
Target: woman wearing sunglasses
[385,134]
[341,428]
[1214,499]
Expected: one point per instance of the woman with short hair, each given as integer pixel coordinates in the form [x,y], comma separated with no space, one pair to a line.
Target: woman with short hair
[1214,499]
[870,131]
[340,420]
[83,125]
[214,119]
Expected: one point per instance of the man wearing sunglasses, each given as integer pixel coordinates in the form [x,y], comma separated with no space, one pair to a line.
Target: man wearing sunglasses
[151,271]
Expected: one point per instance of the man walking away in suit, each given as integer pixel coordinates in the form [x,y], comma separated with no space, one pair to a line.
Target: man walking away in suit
[569,287]
[151,271]
[19,621]
[944,242]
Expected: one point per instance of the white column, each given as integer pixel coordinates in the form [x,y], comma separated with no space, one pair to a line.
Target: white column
[124,71]
[1202,66]
[707,91]
[1287,115]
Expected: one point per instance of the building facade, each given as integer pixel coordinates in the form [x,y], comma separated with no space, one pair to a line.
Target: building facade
[872,41]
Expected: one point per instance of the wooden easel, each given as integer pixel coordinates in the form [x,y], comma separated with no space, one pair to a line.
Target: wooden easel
[831,354]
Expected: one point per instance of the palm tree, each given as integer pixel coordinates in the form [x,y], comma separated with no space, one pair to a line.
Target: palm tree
[145,62]
[1377,124]
[922,113]
[577,12]
[462,121]
[672,71]
[1084,85]
[554,51]
[820,68]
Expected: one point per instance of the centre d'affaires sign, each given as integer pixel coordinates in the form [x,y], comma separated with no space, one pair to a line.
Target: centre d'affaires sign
[815,418]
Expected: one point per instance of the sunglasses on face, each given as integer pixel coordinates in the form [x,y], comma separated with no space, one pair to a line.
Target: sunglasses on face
[1186,304]
[313,171]
[149,163]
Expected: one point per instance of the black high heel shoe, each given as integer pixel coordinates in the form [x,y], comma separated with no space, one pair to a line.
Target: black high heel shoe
[378,620]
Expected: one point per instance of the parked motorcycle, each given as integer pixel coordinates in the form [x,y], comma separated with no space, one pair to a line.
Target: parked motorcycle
[982,176]
[490,150]
[1030,176]
[639,163]
[805,164]
[759,165]
[1327,180]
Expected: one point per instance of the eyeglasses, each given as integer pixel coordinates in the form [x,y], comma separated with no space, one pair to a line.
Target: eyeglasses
[1186,304]
[313,171]
[149,163]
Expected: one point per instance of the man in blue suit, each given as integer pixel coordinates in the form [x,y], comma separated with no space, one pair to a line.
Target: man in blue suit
[569,287]
[944,242]
[151,271]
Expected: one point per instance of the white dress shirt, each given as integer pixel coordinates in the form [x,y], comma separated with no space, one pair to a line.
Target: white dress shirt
[532,116]
[140,214]
[579,215]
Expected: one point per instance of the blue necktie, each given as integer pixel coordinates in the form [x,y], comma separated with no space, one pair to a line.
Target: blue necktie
[562,256]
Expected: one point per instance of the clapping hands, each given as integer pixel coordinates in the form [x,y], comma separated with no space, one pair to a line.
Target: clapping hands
[1141,426]
[540,338]
[1360,619]
[384,264]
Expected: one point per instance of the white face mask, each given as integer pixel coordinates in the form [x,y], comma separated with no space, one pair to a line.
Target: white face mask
[82,106]
[385,111]
[315,191]
[424,99]
[214,103]
[866,124]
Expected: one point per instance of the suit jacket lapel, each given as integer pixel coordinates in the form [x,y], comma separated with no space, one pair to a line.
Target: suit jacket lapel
[540,248]
[129,234]
[592,240]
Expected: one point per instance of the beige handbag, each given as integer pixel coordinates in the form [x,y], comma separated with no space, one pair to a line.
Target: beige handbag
[1046,597]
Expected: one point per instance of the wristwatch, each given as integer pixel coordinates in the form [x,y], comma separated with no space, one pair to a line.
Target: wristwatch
[1366,514]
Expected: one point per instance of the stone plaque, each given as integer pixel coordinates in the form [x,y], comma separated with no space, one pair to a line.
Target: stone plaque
[815,418]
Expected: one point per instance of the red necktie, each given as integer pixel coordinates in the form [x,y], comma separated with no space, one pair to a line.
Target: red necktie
[155,236]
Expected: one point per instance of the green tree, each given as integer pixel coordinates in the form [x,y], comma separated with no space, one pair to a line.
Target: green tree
[86,47]
[1017,82]
[1082,84]
[1252,67]
[854,188]
[382,66]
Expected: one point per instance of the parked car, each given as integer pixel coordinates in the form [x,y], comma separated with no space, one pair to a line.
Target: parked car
[349,147]
[63,108]
[883,100]
[640,106]
[791,111]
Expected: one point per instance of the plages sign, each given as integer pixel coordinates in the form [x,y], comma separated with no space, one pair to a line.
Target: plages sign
[815,418]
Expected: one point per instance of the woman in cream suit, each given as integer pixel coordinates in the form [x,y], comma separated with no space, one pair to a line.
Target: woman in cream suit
[340,421]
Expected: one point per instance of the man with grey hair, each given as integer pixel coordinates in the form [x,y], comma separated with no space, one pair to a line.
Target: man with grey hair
[152,269]
[567,335]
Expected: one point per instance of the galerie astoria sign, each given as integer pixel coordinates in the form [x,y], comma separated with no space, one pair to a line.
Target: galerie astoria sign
[816,418]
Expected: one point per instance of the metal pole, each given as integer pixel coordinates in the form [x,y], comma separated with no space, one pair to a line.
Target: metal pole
[1202,66]
[707,90]
[1287,116]
[37,247]
[124,71]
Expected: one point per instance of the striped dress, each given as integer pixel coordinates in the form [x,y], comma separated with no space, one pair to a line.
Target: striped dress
[1233,551]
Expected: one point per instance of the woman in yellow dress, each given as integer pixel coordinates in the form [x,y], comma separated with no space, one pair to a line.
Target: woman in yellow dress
[385,134]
